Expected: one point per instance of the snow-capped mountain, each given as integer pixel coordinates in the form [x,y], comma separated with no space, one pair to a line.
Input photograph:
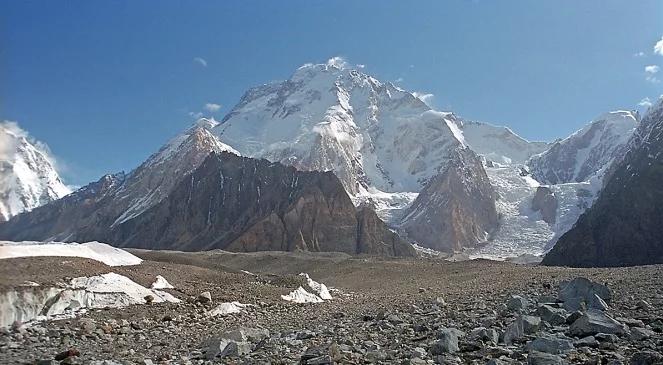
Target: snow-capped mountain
[587,152]
[382,142]
[625,224]
[499,144]
[28,177]
[330,118]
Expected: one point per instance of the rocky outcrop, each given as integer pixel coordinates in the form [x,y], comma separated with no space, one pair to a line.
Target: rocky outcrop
[456,209]
[544,201]
[228,202]
[625,225]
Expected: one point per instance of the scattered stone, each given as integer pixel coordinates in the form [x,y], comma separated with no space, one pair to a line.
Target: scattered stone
[530,323]
[513,332]
[589,341]
[643,305]
[149,298]
[66,354]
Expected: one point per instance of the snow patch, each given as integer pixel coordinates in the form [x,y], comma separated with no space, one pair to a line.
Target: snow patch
[228,308]
[94,250]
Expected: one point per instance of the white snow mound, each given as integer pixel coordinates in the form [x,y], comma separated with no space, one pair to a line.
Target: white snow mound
[98,251]
[318,288]
[302,296]
[161,283]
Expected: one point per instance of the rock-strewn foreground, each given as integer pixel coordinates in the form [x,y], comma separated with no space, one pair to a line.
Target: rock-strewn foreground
[385,311]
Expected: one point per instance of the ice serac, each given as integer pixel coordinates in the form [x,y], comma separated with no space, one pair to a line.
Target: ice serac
[625,225]
[28,178]
[372,135]
[456,209]
[587,152]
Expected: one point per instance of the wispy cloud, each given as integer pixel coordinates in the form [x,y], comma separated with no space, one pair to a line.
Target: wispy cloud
[196,114]
[10,132]
[212,107]
[200,61]
[639,54]
[658,47]
[400,79]
[427,98]
[650,73]
[646,102]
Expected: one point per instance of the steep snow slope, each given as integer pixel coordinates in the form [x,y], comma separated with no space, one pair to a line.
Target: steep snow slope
[27,176]
[329,118]
[499,144]
[586,152]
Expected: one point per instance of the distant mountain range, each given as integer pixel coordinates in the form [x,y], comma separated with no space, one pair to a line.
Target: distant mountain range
[366,148]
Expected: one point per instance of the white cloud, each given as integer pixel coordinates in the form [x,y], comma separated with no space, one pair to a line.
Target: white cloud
[658,47]
[646,102]
[426,98]
[196,114]
[10,131]
[400,79]
[200,61]
[360,66]
[212,107]
[639,54]
[651,71]
[338,62]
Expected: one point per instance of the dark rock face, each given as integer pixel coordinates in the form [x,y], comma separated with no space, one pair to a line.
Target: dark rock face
[624,227]
[544,201]
[456,209]
[228,202]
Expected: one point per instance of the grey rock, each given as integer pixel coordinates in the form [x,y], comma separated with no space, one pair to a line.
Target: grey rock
[485,334]
[643,305]
[582,291]
[513,332]
[639,333]
[517,303]
[542,358]
[447,343]
[554,316]
[205,297]
[646,358]
[593,322]
[496,362]
[550,344]
[573,317]
[531,324]
[589,341]
[606,337]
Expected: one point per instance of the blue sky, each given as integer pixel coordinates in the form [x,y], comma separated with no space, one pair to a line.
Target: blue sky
[105,83]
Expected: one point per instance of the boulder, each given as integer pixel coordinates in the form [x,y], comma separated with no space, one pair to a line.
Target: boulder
[646,358]
[552,315]
[517,303]
[447,342]
[550,344]
[581,292]
[593,322]
[531,324]
[542,358]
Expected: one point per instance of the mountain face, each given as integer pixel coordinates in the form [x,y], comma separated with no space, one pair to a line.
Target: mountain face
[587,152]
[456,209]
[383,143]
[176,201]
[625,225]
[27,176]
[329,118]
